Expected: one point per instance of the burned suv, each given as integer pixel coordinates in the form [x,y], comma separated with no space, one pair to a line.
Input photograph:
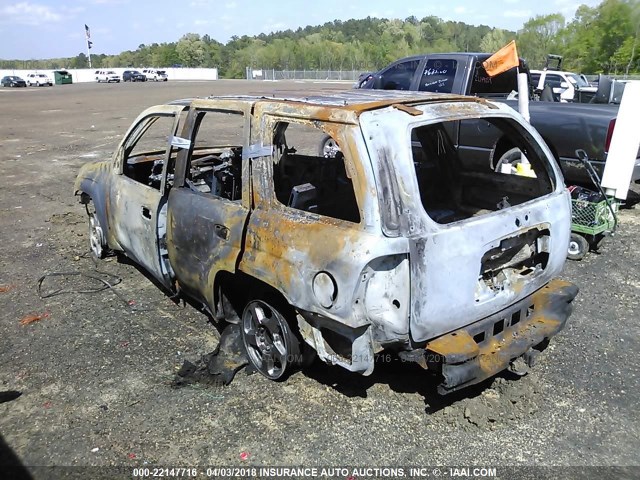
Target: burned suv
[404,240]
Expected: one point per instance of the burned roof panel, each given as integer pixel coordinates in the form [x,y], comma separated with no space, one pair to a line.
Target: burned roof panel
[357,100]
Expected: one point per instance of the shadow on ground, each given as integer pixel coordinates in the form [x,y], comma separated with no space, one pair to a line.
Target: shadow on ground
[401,377]
[10,464]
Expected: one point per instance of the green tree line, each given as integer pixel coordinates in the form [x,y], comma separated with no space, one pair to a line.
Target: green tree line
[600,39]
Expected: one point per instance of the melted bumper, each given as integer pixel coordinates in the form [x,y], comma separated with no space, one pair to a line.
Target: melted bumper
[480,350]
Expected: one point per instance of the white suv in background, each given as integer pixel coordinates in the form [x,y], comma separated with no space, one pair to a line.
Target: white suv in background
[155,75]
[38,79]
[107,76]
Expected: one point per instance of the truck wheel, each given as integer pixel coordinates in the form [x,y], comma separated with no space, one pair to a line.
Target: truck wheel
[328,147]
[578,247]
[272,347]
[510,157]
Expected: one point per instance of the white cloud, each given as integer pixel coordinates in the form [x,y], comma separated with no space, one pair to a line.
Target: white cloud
[517,14]
[25,13]
[460,10]
[511,1]
[230,5]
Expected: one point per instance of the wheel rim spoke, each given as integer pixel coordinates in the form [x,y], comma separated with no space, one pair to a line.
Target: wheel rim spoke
[252,340]
[279,345]
[270,364]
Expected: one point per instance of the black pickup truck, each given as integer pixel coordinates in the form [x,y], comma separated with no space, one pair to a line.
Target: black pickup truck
[565,127]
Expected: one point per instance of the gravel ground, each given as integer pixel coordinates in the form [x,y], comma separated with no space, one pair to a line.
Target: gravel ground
[95,372]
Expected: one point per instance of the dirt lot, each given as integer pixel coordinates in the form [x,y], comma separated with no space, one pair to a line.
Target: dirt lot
[95,372]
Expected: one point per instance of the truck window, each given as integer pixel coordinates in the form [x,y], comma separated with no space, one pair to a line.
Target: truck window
[215,160]
[438,75]
[483,84]
[304,179]
[398,76]
[553,80]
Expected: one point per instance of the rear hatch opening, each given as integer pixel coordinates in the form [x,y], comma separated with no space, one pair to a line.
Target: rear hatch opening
[471,167]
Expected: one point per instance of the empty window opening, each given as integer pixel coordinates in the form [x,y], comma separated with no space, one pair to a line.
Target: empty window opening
[146,148]
[308,177]
[215,159]
[471,167]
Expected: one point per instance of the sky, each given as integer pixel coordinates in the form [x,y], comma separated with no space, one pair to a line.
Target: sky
[37,29]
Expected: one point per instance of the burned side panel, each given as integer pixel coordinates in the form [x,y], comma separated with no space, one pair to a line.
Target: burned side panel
[349,284]
[133,217]
[204,238]
[328,273]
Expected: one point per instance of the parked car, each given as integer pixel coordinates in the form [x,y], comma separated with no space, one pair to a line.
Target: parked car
[421,249]
[155,75]
[13,81]
[38,79]
[133,76]
[566,86]
[107,76]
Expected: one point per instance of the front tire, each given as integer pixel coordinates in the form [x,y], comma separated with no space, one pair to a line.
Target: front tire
[96,236]
[578,247]
[272,347]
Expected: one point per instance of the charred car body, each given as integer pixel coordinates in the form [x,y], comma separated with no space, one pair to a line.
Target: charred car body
[402,241]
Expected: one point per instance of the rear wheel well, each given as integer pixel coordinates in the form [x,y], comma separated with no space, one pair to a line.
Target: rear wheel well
[85,198]
[232,291]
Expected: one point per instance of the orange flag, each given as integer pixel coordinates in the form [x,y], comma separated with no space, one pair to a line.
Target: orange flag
[502,60]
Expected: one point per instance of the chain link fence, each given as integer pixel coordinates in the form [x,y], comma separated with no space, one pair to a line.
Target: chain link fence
[325,75]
